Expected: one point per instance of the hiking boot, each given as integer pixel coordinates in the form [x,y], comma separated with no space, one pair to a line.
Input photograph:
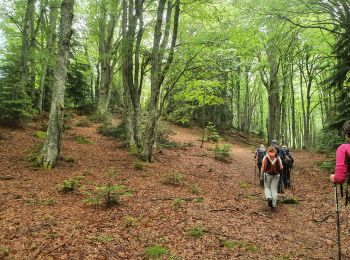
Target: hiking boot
[269,202]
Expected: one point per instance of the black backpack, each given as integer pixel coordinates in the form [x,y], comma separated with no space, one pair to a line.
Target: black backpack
[260,155]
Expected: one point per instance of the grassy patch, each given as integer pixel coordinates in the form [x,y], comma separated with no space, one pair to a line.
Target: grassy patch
[156,252]
[40,134]
[198,200]
[289,200]
[4,251]
[49,201]
[79,139]
[101,238]
[84,123]
[178,203]
[239,244]
[68,159]
[194,189]
[244,185]
[196,232]
[173,179]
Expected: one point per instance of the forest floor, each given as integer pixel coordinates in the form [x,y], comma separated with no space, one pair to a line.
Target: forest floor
[217,212]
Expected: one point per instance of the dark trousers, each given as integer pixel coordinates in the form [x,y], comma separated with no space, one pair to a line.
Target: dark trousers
[286,176]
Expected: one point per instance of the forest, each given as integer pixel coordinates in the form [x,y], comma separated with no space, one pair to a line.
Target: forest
[128,127]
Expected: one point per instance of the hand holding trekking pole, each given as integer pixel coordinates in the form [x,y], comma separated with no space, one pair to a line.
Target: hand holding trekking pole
[337,220]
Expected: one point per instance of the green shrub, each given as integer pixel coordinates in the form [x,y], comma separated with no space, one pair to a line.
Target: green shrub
[84,123]
[71,184]
[129,221]
[196,232]
[328,140]
[98,118]
[156,252]
[163,136]
[138,165]
[33,155]
[173,178]
[211,133]
[108,195]
[223,153]
[107,129]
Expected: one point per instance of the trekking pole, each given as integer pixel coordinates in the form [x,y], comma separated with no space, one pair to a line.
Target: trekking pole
[337,220]
[254,173]
[292,182]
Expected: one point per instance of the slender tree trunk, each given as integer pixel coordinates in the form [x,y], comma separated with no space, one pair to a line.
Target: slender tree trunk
[51,147]
[238,83]
[28,29]
[158,72]
[49,51]
[106,25]
[292,107]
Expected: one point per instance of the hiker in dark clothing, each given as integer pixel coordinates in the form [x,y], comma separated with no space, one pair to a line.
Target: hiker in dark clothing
[287,166]
[259,156]
[342,166]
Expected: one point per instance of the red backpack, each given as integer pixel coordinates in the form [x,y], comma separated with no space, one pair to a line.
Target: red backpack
[272,169]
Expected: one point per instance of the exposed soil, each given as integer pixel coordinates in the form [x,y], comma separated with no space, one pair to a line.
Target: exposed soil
[39,222]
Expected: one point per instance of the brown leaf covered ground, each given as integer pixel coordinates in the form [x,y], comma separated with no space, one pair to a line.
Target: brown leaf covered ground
[39,222]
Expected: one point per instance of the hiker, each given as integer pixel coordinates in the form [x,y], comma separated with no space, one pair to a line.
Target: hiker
[260,153]
[342,165]
[270,171]
[287,167]
[282,155]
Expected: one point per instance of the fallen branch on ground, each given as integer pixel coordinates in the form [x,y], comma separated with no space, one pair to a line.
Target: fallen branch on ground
[3,178]
[173,198]
[321,220]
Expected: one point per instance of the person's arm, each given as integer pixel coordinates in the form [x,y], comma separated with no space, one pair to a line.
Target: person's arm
[262,169]
[281,164]
[341,167]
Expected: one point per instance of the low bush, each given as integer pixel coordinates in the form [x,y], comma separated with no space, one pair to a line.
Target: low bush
[173,178]
[223,153]
[108,195]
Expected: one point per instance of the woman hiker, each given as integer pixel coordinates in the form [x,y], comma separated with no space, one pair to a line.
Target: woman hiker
[270,171]
[342,157]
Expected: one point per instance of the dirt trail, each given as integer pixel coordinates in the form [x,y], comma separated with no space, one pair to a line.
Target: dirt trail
[37,221]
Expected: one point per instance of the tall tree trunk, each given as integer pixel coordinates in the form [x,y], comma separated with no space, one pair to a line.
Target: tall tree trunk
[51,147]
[292,106]
[246,101]
[158,72]
[49,51]
[238,83]
[26,52]
[106,27]
[132,78]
